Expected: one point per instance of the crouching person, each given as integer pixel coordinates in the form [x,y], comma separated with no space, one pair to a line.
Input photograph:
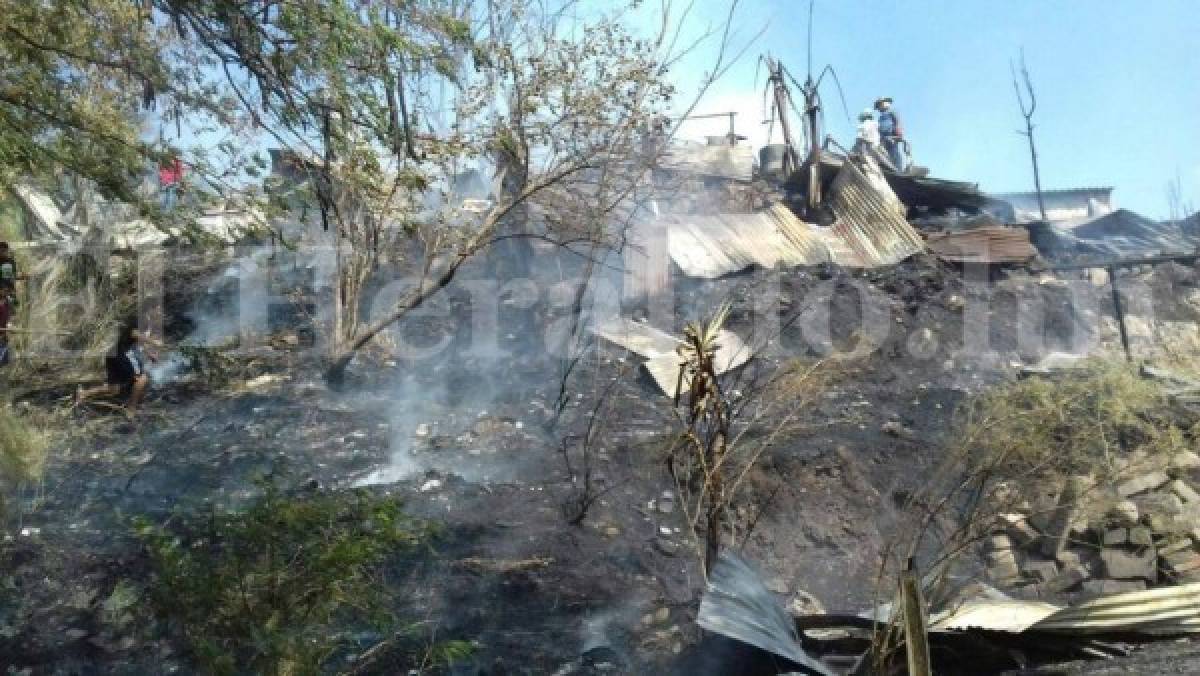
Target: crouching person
[125,371]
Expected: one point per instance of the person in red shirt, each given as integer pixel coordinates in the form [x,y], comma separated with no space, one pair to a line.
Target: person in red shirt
[170,181]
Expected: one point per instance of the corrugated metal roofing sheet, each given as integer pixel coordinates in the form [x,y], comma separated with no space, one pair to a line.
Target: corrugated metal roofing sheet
[990,244]
[869,231]
[659,349]
[1165,610]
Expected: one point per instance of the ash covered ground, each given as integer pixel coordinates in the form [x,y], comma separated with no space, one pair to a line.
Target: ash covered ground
[471,439]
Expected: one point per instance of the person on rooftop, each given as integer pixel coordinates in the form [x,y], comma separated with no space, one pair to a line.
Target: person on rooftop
[891,132]
[868,132]
[170,182]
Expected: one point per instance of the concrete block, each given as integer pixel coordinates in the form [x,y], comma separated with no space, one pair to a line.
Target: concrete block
[1140,537]
[1040,571]
[1123,514]
[1166,524]
[1181,562]
[1177,545]
[1184,491]
[1068,578]
[998,542]
[1019,529]
[1141,484]
[1002,566]
[1183,462]
[1129,564]
[1164,502]
[1095,588]
[1115,536]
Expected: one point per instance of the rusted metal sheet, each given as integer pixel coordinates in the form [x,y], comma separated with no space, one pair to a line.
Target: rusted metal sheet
[869,231]
[991,244]
[870,219]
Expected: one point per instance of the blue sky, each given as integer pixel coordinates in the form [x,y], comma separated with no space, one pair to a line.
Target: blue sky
[1118,85]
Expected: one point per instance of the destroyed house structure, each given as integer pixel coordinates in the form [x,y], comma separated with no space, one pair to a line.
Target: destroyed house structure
[1061,205]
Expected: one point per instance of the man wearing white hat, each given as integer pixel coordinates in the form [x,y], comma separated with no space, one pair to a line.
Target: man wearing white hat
[890,131]
[868,132]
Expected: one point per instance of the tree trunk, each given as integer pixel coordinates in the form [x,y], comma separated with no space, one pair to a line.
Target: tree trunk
[1037,178]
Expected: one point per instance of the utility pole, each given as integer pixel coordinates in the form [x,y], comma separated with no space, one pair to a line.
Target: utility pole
[1027,110]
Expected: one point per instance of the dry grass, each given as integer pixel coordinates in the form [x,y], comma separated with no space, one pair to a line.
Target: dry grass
[67,310]
[1015,449]
[1079,423]
[23,451]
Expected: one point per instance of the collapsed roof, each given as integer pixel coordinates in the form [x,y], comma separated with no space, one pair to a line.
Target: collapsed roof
[869,230]
[1119,234]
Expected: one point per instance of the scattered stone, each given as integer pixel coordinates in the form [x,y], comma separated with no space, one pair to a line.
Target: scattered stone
[1108,587]
[1176,546]
[1123,514]
[1141,484]
[1023,534]
[1140,537]
[1069,577]
[1002,566]
[612,531]
[1181,562]
[1127,564]
[1115,536]
[1067,558]
[1183,461]
[1183,491]
[666,546]
[666,502]
[662,615]
[1040,571]
[431,485]
[803,603]
[954,302]
[1159,504]
[896,429]
[422,430]
[999,542]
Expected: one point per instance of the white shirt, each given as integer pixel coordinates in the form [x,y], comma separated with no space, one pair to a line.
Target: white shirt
[868,131]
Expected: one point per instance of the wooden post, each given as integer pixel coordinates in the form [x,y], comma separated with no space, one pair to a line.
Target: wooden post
[916,638]
[1119,311]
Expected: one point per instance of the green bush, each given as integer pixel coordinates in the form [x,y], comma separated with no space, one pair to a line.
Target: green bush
[264,590]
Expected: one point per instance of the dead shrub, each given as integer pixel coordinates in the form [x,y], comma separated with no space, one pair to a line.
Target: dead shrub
[1015,449]
[1029,449]
[23,449]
